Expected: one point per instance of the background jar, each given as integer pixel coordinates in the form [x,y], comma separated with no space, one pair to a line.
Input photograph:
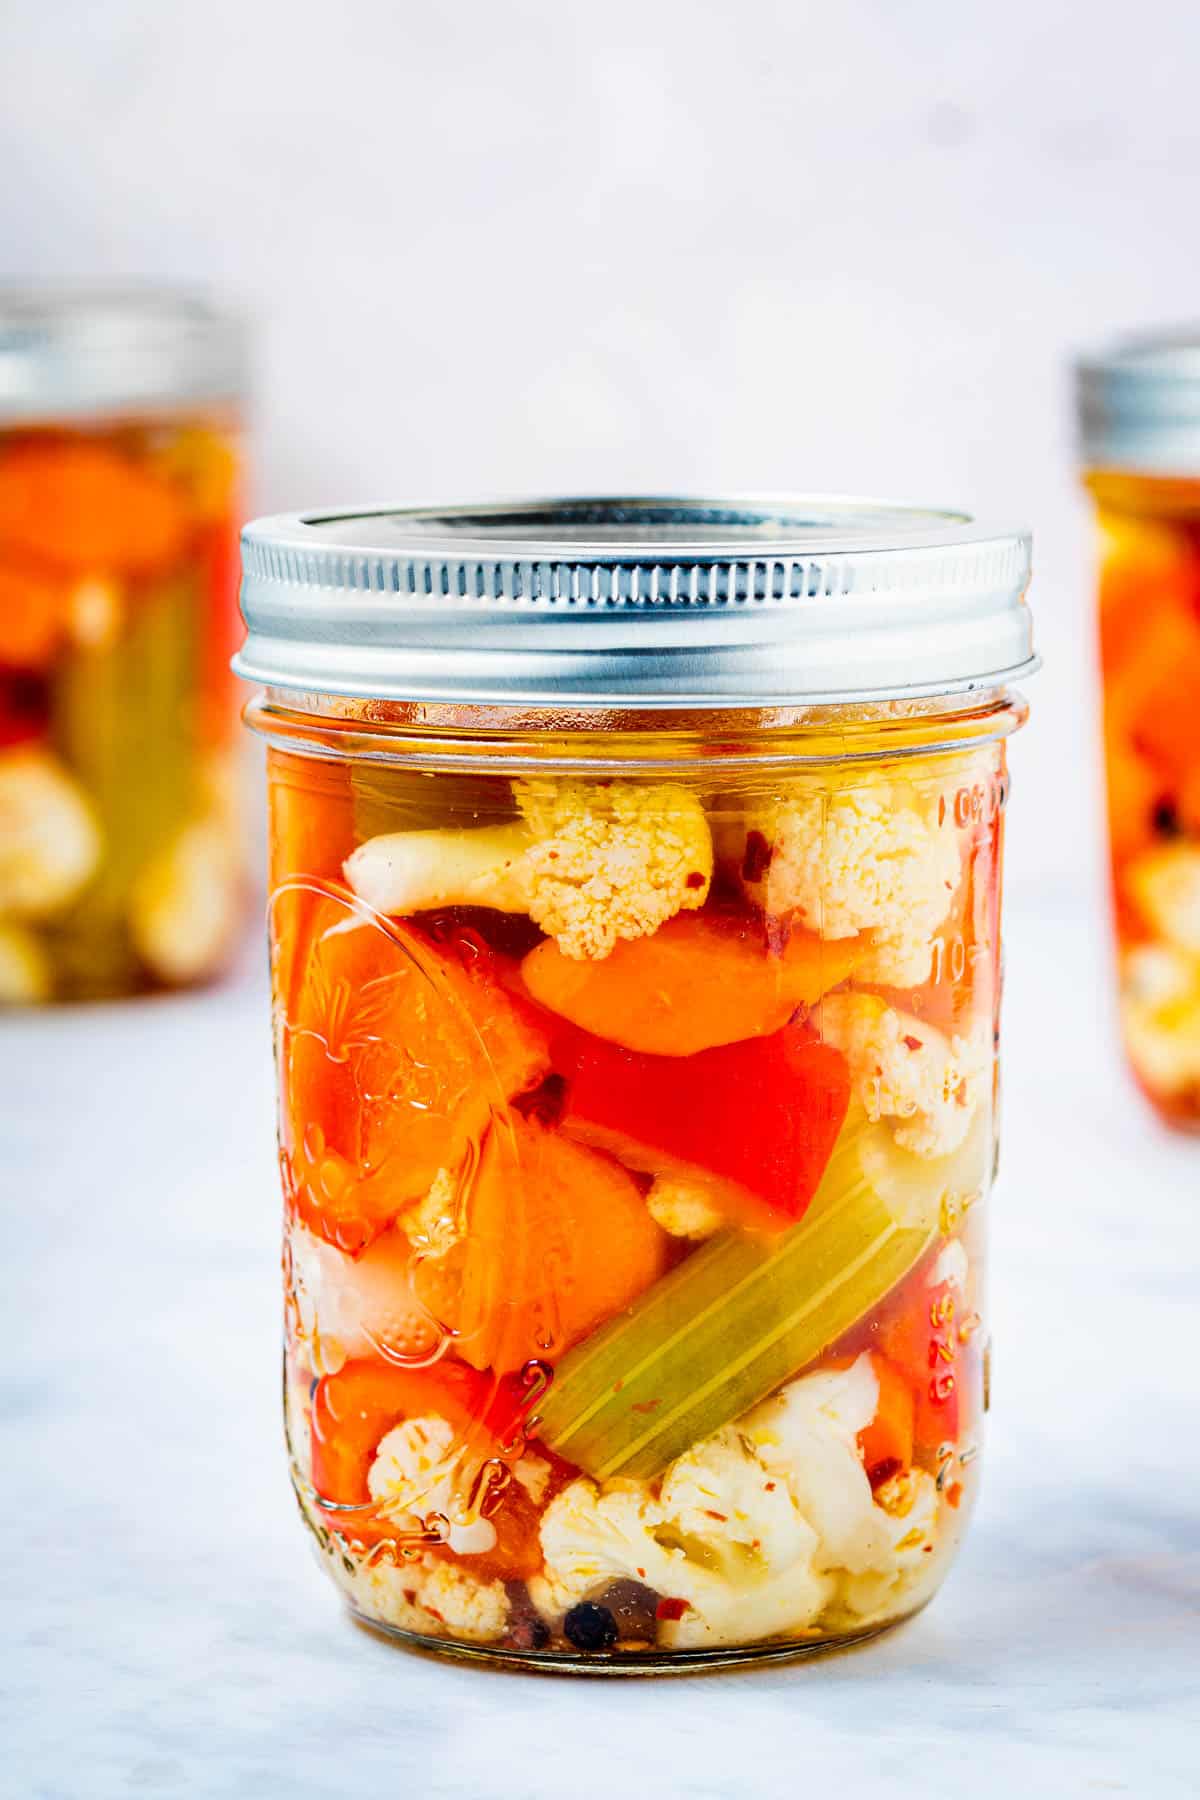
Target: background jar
[121,860]
[635,999]
[1140,434]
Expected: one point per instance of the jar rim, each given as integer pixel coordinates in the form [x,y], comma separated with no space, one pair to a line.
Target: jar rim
[80,351]
[1138,403]
[664,600]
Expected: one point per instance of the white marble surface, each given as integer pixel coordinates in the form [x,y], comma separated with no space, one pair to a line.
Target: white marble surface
[167,1634]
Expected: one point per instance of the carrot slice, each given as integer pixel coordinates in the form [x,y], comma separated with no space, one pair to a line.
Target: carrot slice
[558,1238]
[31,618]
[392,1060]
[699,981]
[83,507]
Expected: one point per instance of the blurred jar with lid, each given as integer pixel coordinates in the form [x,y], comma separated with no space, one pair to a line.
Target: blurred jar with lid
[121,866]
[1139,420]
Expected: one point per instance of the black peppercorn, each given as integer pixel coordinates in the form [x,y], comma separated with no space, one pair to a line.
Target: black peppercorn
[1166,819]
[529,1633]
[590,1627]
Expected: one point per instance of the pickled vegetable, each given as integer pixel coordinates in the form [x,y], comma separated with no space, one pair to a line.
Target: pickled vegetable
[393,1061]
[698,983]
[556,1239]
[614,1259]
[751,1123]
[737,1318]
[112,702]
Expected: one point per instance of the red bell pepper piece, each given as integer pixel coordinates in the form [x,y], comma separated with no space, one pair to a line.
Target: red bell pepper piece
[929,1333]
[753,1122]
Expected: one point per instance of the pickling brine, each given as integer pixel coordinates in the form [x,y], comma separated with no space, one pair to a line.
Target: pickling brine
[636,1135]
[636,1121]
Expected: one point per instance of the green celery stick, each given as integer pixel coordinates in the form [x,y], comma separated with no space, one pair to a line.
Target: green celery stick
[124,721]
[726,1327]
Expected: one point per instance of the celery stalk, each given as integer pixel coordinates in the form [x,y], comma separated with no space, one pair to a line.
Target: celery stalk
[124,720]
[739,1317]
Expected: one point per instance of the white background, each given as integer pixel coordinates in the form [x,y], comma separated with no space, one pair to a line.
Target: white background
[639,244]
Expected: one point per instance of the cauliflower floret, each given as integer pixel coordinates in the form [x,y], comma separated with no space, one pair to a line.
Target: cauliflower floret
[590,862]
[682,1209]
[344,1306]
[807,1436]
[418,1470]
[758,1529]
[613,860]
[430,1596]
[49,840]
[185,904]
[435,1224]
[1165,884]
[1160,1013]
[909,1505]
[533,1473]
[26,977]
[879,859]
[902,1068]
[721,1536]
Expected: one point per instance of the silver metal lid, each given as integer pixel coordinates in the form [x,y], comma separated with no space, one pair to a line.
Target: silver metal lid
[1139,404]
[657,600]
[77,352]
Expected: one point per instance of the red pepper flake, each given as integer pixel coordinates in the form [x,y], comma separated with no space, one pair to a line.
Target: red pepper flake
[646,1406]
[435,1614]
[695,879]
[927,1549]
[770,1488]
[410,1594]
[911,1043]
[954,1494]
[757,858]
[671,1609]
[641,1574]
[710,1514]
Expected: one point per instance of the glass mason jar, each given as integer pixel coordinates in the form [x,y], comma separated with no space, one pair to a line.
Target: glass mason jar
[634,929]
[1140,431]
[120,473]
